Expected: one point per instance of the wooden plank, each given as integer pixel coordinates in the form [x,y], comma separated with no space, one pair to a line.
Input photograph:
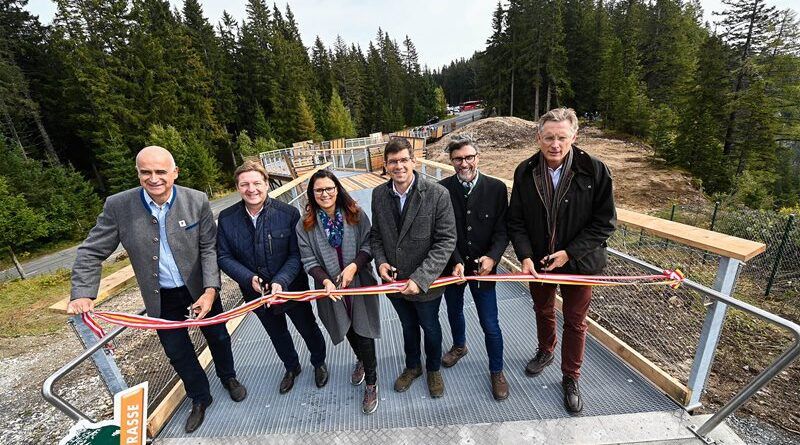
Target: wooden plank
[725,245]
[660,378]
[159,417]
[293,183]
[715,242]
[109,286]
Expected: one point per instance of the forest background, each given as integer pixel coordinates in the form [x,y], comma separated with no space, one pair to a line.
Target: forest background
[80,96]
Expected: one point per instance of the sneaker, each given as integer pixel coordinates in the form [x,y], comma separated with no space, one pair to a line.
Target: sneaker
[540,361]
[499,385]
[435,384]
[453,355]
[357,377]
[405,379]
[370,402]
[236,390]
[572,394]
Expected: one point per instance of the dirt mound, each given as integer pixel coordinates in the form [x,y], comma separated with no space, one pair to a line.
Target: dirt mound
[641,182]
[493,133]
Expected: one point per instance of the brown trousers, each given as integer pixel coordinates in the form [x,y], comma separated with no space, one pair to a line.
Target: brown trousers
[576,306]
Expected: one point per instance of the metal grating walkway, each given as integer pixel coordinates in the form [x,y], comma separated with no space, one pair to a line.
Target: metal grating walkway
[608,385]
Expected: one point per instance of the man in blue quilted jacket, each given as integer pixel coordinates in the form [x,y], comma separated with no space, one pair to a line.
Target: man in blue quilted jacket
[257,247]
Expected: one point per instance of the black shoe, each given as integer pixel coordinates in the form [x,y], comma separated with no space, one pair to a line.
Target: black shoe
[572,394]
[321,375]
[288,380]
[540,361]
[236,390]
[196,416]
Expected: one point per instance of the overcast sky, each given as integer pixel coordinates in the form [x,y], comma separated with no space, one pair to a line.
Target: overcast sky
[442,30]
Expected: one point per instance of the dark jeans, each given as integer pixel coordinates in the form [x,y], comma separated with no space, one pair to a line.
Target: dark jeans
[485,298]
[364,347]
[413,316]
[180,350]
[575,307]
[306,323]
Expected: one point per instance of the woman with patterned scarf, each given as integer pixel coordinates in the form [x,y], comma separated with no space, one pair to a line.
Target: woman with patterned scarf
[333,237]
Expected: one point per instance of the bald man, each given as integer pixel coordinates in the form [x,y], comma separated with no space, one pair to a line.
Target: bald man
[170,236]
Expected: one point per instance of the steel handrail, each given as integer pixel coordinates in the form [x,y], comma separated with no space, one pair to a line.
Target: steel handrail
[784,360]
[47,387]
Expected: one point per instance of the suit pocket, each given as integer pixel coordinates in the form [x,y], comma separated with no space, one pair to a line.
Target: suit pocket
[421,228]
[192,226]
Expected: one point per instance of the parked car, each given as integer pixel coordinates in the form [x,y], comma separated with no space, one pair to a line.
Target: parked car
[432,120]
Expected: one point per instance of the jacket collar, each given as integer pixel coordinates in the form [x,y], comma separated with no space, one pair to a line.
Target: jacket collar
[419,184]
[581,162]
[146,198]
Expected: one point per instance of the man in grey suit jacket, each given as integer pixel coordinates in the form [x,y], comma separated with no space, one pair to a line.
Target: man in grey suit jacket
[170,236]
[413,235]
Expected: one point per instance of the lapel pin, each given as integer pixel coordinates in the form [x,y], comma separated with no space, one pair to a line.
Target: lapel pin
[182,223]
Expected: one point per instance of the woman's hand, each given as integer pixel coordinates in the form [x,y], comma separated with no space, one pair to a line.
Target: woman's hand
[348,274]
[329,289]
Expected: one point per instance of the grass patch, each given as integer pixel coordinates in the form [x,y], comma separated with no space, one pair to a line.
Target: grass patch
[24,303]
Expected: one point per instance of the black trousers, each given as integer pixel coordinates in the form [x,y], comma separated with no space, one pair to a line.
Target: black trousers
[364,347]
[180,350]
[303,319]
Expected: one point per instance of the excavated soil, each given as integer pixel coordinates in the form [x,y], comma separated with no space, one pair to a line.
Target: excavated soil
[642,182]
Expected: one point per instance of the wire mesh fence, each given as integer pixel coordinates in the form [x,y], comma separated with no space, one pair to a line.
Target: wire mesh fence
[776,272]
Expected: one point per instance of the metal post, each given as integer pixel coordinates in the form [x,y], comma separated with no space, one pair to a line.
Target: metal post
[671,218]
[103,359]
[714,216]
[779,254]
[724,282]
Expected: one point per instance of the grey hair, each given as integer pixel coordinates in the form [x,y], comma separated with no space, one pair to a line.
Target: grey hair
[459,141]
[559,115]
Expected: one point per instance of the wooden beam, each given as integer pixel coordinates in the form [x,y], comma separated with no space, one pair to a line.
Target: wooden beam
[159,417]
[715,242]
[109,286]
[295,182]
[660,378]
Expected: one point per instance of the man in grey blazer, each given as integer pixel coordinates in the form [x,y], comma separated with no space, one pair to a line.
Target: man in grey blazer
[170,236]
[413,235]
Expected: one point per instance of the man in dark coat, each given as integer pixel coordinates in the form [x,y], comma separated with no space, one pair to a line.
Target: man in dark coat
[480,204]
[412,237]
[560,216]
[257,247]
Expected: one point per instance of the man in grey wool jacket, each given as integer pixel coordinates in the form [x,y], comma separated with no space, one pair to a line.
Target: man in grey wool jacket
[170,235]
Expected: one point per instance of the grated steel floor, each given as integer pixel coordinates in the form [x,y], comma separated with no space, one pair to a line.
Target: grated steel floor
[609,387]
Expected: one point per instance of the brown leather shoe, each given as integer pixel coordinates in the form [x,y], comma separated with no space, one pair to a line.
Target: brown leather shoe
[287,383]
[435,384]
[499,385]
[452,356]
[236,390]
[370,402]
[406,378]
[540,361]
[196,416]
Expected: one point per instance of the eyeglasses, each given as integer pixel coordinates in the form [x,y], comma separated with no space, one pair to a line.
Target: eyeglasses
[328,190]
[393,162]
[469,158]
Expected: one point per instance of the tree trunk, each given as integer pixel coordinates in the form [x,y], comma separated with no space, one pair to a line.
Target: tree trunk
[548,97]
[728,147]
[511,107]
[13,129]
[52,157]
[536,102]
[20,270]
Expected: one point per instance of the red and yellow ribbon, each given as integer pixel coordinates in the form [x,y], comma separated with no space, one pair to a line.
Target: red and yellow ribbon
[671,278]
